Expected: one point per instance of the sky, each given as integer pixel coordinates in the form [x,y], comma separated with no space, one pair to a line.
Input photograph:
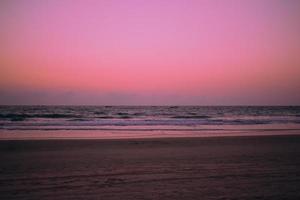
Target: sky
[158,52]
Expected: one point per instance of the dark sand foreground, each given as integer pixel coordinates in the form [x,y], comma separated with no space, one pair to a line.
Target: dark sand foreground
[257,167]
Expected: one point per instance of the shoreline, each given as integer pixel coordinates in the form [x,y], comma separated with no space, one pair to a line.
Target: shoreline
[153,138]
[138,134]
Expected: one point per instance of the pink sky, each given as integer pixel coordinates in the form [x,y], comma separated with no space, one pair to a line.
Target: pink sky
[154,52]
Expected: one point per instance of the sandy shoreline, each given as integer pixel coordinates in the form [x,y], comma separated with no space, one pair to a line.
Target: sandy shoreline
[129,134]
[248,167]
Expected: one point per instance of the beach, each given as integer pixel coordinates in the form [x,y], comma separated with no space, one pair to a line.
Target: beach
[149,100]
[233,167]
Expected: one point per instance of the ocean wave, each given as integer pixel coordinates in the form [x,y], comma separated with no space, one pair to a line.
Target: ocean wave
[117,122]
[93,116]
[22,117]
[191,117]
[100,113]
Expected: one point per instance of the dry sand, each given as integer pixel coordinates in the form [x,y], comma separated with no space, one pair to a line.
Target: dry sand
[256,167]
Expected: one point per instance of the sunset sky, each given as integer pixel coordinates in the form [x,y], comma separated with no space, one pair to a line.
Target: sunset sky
[156,52]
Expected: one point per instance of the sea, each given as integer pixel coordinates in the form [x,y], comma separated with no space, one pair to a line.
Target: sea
[148,117]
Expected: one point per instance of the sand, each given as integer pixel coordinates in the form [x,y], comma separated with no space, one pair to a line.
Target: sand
[256,167]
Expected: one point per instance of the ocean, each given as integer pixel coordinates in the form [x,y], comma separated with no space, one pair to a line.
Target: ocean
[147,117]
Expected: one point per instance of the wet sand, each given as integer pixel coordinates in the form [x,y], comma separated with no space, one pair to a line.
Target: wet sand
[254,167]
